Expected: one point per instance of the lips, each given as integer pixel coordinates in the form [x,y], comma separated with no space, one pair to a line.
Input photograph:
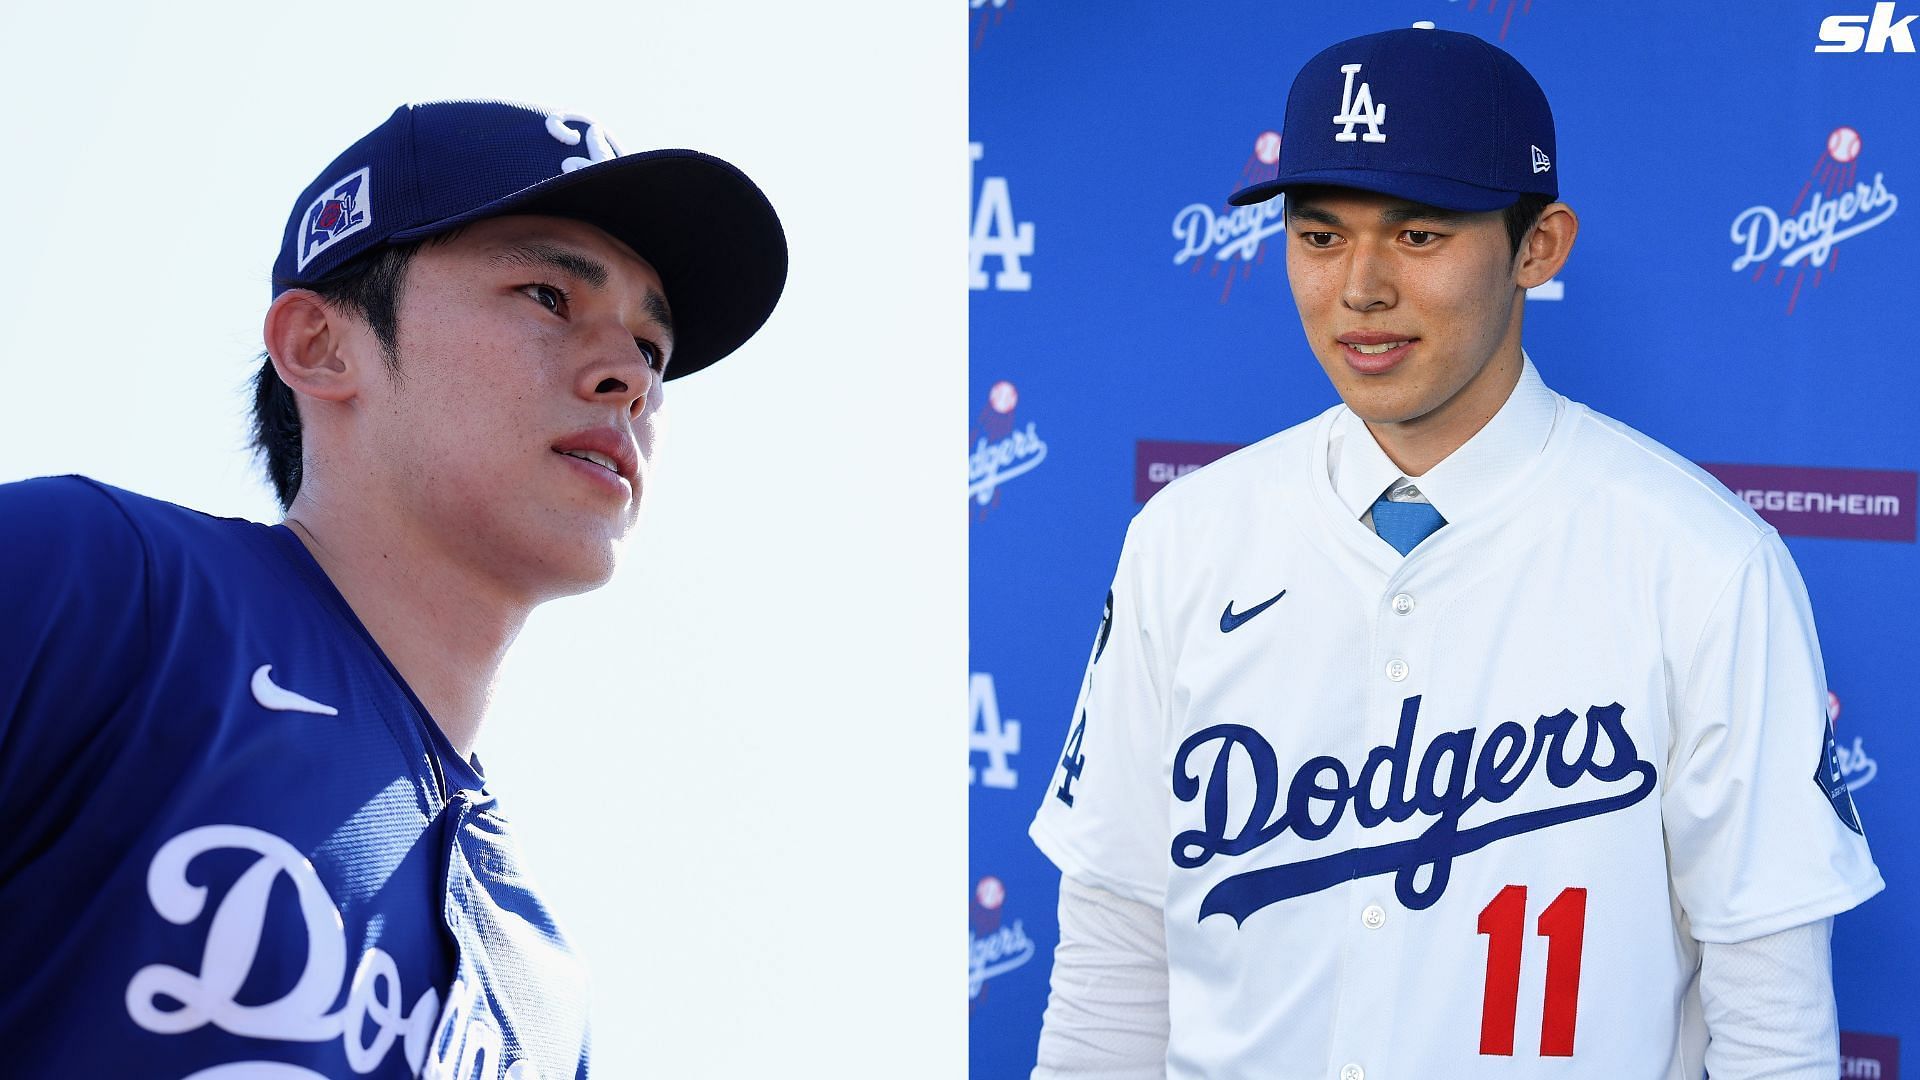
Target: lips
[1373,352]
[610,452]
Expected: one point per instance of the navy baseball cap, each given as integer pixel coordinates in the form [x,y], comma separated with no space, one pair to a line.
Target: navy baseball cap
[705,227]
[1431,116]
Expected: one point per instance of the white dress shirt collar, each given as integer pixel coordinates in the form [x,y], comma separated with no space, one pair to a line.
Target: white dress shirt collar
[1465,481]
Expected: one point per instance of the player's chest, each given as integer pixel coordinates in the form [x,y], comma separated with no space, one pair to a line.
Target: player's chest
[1353,729]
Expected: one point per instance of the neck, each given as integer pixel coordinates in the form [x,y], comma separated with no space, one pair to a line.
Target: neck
[444,628]
[1416,445]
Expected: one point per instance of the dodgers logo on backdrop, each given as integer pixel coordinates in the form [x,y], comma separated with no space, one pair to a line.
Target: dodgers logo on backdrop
[1835,203]
[340,211]
[983,13]
[993,947]
[1235,236]
[1455,774]
[1002,451]
[1493,8]
[1855,766]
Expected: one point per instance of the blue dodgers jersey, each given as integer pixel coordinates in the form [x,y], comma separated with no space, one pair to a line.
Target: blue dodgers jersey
[236,844]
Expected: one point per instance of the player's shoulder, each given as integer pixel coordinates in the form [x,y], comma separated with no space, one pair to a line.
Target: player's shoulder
[1273,469]
[1675,500]
[65,519]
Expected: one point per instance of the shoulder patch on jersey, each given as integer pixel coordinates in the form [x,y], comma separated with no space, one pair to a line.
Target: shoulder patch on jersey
[1106,627]
[1832,784]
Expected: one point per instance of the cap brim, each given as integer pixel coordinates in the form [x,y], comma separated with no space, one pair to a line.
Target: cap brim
[1431,190]
[709,232]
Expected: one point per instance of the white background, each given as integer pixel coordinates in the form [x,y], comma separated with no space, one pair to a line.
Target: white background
[735,769]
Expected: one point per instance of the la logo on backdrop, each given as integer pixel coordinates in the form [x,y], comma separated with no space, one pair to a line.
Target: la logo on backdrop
[1001,451]
[1836,202]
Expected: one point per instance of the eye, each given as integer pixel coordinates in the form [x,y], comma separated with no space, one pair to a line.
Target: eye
[1420,237]
[1318,239]
[552,297]
[656,359]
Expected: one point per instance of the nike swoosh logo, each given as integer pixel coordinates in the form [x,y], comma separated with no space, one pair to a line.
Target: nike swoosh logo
[280,699]
[1229,622]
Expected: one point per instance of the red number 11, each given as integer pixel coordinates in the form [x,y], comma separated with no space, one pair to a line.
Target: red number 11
[1564,925]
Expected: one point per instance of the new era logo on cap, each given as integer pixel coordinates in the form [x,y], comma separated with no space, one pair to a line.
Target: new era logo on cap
[1540,161]
[342,209]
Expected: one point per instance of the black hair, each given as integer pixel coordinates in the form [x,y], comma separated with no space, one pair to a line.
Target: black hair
[1521,216]
[367,287]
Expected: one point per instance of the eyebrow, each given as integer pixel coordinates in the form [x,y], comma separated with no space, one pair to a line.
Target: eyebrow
[591,271]
[572,262]
[1398,213]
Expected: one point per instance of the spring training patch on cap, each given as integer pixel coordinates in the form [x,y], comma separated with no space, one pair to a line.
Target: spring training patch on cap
[342,209]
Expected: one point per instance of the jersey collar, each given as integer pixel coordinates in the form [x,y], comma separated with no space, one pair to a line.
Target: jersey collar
[1466,482]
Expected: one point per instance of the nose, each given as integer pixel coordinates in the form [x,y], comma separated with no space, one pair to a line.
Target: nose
[621,373]
[1368,285]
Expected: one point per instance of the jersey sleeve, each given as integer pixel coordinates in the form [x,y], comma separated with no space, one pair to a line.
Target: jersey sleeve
[1102,819]
[73,637]
[1762,833]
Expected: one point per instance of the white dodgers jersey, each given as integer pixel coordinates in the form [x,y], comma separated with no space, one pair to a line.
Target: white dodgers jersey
[1466,813]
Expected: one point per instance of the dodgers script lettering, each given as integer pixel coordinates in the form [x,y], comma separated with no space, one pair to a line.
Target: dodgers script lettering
[1450,779]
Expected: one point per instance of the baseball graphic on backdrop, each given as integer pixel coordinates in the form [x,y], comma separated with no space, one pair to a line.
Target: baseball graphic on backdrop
[1843,145]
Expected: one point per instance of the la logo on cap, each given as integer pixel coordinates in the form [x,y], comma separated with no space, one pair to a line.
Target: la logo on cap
[1359,109]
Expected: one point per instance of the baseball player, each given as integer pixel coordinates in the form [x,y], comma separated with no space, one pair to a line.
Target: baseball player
[246,833]
[1460,731]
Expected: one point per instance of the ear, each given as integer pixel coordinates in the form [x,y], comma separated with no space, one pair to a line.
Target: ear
[1547,246]
[311,346]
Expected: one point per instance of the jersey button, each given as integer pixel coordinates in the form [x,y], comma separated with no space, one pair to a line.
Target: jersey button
[1374,917]
[1352,1072]
[1397,669]
[1403,604]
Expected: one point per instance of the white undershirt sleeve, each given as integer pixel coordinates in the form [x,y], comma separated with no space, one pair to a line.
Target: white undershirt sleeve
[1107,1011]
[1769,1006]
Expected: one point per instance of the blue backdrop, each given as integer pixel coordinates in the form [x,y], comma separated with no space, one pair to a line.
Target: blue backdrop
[1739,291]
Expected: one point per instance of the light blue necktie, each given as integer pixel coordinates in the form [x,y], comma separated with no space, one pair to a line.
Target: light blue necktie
[1405,524]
